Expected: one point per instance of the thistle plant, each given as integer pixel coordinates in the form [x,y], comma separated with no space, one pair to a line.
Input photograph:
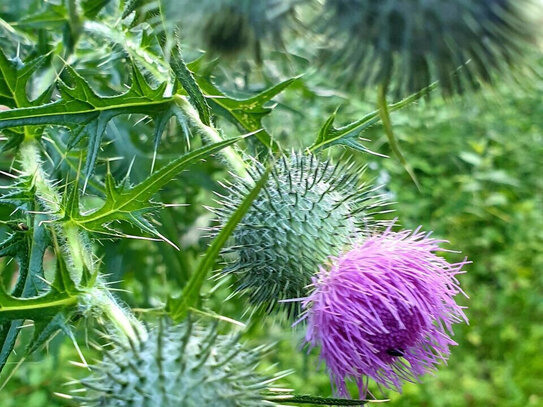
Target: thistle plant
[308,210]
[384,310]
[115,136]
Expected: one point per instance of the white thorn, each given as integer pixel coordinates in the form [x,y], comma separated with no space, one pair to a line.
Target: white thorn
[64,396]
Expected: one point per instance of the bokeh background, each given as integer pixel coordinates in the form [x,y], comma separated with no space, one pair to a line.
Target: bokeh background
[479,160]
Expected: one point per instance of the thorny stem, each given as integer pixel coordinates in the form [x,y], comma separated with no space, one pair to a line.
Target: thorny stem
[234,159]
[77,247]
[124,321]
[52,201]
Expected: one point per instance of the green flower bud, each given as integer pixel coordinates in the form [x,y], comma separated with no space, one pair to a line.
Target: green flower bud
[308,210]
[178,365]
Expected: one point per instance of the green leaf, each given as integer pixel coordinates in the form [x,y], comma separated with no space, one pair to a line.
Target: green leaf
[91,8]
[130,204]
[179,306]
[49,16]
[14,77]
[87,113]
[19,194]
[130,6]
[46,329]
[35,308]
[9,331]
[348,135]
[25,301]
[61,295]
[245,113]
[28,251]
[139,42]
[185,77]
[49,313]
[17,246]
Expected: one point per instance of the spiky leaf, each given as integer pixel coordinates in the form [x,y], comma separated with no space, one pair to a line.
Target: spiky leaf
[31,298]
[245,113]
[348,135]
[178,306]
[322,401]
[130,204]
[28,248]
[186,78]
[14,77]
[38,308]
[88,113]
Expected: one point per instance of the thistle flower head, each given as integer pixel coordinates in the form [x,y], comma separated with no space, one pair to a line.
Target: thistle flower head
[178,365]
[384,310]
[412,43]
[308,210]
[232,26]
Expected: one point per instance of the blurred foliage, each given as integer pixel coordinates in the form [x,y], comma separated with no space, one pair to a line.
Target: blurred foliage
[479,161]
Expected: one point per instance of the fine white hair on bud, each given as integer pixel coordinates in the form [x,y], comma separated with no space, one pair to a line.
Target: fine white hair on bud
[309,210]
[187,365]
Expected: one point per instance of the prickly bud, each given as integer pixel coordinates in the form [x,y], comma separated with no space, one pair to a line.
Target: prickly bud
[309,210]
[178,365]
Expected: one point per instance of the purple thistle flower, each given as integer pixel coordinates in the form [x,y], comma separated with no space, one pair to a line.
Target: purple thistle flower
[384,310]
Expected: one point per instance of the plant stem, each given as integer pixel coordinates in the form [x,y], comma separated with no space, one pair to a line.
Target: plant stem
[78,252]
[123,320]
[78,248]
[31,161]
[230,154]
[74,25]
[392,141]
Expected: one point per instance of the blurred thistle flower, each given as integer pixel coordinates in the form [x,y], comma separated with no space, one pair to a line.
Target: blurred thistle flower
[308,210]
[234,26]
[410,43]
[178,365]
[384,310]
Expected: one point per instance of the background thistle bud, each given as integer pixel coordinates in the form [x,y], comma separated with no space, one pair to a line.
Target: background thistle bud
[233,26]
[409,44]
[309,210]
[227,31]
[179,365]
[384,310]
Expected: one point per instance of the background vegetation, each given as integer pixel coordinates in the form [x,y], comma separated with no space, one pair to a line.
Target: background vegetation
[479,160]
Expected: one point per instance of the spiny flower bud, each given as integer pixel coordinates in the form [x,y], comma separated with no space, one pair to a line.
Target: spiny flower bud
[410,44]
[178,365]
[232,26]
[308,210]
[384,310]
